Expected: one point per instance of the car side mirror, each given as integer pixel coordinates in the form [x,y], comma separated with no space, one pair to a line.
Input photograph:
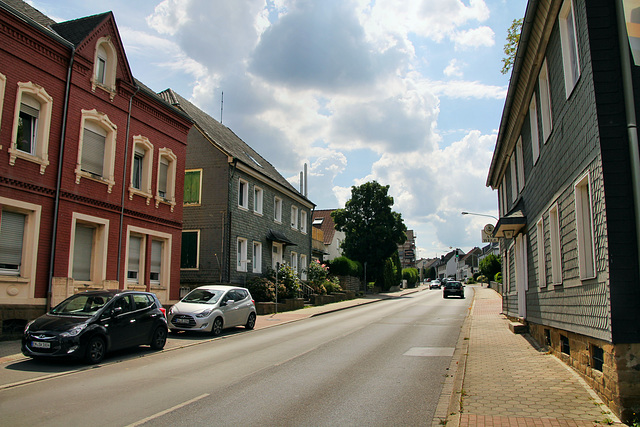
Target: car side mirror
[115,311]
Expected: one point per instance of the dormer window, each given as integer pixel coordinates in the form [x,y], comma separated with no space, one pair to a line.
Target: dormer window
[104,64]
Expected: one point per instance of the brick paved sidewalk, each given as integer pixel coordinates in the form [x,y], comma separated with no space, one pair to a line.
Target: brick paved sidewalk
[509,382]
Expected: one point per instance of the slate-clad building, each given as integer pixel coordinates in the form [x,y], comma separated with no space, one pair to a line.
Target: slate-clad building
[565,167]
[89,167]
[240,215]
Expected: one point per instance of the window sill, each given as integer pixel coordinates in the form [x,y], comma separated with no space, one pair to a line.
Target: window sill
[14,154]
[102,180]
[134,191]
[164,201]
[190,205]
[111,90]
[14,279]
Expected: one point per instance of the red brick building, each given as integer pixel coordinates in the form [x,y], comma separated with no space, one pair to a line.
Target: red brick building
[91,166]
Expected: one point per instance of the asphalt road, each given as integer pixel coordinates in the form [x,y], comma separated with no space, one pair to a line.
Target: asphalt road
[378,364]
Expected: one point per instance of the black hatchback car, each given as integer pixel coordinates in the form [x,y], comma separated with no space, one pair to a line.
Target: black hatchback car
[90,324]
[452,288]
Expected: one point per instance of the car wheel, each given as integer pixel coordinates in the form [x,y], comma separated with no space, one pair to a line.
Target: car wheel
[96,349]
[216,328]
[251,321]
[159,338]
[444,296]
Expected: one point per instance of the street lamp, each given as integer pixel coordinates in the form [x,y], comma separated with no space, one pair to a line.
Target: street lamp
[478,214]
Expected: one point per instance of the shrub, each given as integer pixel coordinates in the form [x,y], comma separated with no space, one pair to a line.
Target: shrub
[411,275]
[498,277]
[343,266]
[288,281]
[332,286]
[262,289]
[483,279]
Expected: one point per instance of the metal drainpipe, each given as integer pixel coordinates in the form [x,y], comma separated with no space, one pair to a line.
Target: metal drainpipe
[632,130]
[124,180]
[229,218]
[54,232]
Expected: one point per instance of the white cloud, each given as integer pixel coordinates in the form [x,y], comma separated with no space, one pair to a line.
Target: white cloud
[453,69]
[474,38]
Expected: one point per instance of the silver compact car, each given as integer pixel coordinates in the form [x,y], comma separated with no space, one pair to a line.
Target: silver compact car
[213,308]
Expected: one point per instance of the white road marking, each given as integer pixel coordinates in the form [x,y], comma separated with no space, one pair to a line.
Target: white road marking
[166,411]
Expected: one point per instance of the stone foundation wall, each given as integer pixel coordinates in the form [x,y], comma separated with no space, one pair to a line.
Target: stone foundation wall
[617,384]
[350,283]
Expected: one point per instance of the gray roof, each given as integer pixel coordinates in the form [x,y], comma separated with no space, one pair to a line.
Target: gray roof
[77,30]
[30,12]
[227,140]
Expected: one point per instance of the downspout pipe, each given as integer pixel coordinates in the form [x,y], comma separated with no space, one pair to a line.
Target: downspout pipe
[630,109]
[124,180]
[56,208]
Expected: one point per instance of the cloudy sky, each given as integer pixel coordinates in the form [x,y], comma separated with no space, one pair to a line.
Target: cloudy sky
[408,93]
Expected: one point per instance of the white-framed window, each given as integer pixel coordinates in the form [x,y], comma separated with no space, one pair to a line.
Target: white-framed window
[19,237]
[243,194]
[514,177]
[304,265]
[31,125]
[584,226]
[294,261]
[502,195]
[192,187]
[542,263]
[257,257]
[258,198]
[569,42]
[155,267]
[3,83]
[545,101]
[533,122]
[96,149]
[104,66]
[554,240]
[294,217]
[303,221]
[277,209]
[520,165]
[88,252]
[159,265]
[141,165]
[166,192]
[276,254]
[190,253]
[135,269]
[241,257]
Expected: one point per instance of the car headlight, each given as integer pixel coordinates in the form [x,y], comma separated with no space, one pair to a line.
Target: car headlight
[26,328]
[74,331]
[204,313]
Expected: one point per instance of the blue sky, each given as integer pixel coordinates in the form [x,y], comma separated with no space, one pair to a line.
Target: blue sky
[406,93]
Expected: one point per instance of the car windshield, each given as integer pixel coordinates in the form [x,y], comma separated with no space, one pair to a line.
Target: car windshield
[81,305]
[203,296]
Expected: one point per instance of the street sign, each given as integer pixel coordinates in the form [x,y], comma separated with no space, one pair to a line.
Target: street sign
[487,233]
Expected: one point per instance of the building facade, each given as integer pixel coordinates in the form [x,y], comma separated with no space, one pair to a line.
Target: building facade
[566,170]
[241,217]
[89,162]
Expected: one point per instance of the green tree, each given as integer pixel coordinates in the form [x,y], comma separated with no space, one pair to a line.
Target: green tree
[490,265]
[511,46]
[372,229]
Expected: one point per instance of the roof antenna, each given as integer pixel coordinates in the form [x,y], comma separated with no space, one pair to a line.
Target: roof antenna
[221,106]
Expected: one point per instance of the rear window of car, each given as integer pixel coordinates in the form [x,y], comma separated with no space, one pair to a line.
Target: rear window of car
[142,301]
[453,284]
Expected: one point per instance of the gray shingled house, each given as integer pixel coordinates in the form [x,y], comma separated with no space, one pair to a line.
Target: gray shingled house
[567,171]
[240,215]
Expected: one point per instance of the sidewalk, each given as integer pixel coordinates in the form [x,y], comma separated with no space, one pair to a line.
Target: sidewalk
[503,380]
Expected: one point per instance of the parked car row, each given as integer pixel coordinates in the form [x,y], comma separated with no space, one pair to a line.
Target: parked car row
[90,324]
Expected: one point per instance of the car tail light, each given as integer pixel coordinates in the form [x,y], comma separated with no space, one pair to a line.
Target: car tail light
[164,311]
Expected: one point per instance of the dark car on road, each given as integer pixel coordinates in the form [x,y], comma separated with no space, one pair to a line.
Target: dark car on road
[90,324]
[452,288]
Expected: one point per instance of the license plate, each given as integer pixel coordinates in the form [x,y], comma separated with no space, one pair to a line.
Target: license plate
[185,321]
[39,344]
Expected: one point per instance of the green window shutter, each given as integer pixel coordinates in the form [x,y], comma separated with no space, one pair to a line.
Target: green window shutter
[189,253]
[192,187]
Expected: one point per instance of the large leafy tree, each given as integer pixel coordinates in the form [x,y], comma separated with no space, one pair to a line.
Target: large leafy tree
[490,265]
[372,229]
